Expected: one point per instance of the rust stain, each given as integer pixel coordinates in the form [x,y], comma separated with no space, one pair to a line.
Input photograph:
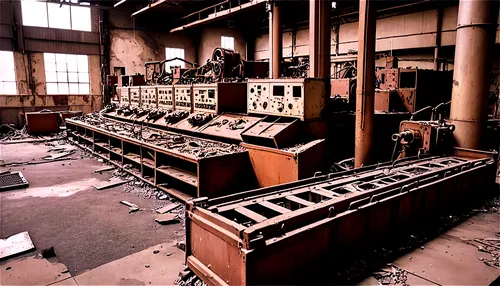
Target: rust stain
[85,98]
[456,83]
[60,99]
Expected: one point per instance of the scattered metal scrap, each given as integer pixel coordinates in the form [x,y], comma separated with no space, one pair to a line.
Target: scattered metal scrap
[489,246]
[15,244]
[12,180]
[391,275]
[111,185]
[9,135]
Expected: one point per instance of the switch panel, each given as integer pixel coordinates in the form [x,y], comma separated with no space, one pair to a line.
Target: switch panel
[165,97]
[299,98]
[124,96]
[148,97]
[183,97]
[135,96]
[205,97]
[258,96]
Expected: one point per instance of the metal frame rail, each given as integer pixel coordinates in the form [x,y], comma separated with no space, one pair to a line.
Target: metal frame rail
[182,175]
[276,235]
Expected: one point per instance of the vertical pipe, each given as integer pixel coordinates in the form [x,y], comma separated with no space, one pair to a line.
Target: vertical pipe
[319,38]
[275,41]
[365,83]
[439,24]
[476,28]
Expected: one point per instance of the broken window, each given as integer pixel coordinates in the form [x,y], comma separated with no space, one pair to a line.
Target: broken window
[227,42]
[7,73]
[171,53]
[55,15]
[66,74]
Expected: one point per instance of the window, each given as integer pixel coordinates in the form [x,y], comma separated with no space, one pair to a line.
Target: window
[227,42]
[7,73]
[171,53]
[66,74]
[55,15]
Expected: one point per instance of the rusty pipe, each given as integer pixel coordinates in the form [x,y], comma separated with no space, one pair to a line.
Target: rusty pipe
[476,29]
[319,39]
[275,41]
[365,91]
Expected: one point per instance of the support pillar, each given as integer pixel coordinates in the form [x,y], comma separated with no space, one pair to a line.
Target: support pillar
[319,39]
[365,89]
[476,28]
[275,40]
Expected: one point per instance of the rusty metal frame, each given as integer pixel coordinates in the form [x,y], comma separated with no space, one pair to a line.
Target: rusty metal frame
[333,214]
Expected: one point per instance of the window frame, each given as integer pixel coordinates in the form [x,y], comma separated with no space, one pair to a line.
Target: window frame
[2,69]
[87,27]
[224,40]
[171,53]
[61,70]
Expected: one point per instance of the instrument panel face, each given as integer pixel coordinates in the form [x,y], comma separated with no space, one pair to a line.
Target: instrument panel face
[148,97]
[165,97]
[135,96]
[183,97]
[258,97]
[205,98]
[124,96]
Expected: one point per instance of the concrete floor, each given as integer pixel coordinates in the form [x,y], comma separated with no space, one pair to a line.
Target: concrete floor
[62,209]
[100,243]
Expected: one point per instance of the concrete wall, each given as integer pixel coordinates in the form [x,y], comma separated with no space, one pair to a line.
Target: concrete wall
[210,38]
[33,96]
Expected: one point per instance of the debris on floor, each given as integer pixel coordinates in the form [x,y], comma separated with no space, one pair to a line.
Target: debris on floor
[9,134]
[48,252]
[188,278]
[391,275]
[12,180]
[15,244]
[112,184]
[132,207]
[181,245]
[491,248]
[167,219]
[105,169]
[168,208]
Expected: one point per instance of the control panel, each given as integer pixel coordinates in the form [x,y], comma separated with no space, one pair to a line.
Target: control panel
[148,97]
[135,95]
[299,98]
[183,97]
[165,97]
[124,96]
[205,97]
[258,96]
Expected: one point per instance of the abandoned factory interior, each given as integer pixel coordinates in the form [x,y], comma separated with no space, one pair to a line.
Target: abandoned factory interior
[249,142]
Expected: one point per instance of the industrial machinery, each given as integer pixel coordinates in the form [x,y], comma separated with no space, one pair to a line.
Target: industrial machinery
[220,97]
[148,97]
[183,97]
[274,235]
[124,95]
[165,97]
[135,96]
[299,98]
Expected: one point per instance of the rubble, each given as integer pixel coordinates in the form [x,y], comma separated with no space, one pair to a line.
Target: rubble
[10,133]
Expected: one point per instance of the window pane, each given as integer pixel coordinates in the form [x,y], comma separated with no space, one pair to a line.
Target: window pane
[62,77]
[73,77]
[73,88]
[52,88]
[84,88]
[83,63]
[59,16]
[83,77]
[7,71]
[49,57]
[50,66]
[71,59]
[61,67]
[80,18]
[60,58]
[63,88]
[9,87]
[34,13]
[72,67]
[50,76]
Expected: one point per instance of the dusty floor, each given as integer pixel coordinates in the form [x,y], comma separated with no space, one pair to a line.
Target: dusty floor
[62,209]
[100,243]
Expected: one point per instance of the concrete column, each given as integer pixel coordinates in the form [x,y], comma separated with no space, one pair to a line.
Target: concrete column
[476,28]
[365,90]
[319,38]
[275,41]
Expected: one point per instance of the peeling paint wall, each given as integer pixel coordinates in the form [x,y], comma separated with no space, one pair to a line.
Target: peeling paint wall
[210,38]
[32,92]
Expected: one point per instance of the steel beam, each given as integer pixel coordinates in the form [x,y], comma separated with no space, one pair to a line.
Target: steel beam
[476,28]
[365,103]
[319,39]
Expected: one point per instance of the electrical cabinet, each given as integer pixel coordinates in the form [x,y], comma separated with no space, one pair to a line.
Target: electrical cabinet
[124,96]
[299,98]
[183,97]
[148,96]
[135,96]
[165,97]
[220,97]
